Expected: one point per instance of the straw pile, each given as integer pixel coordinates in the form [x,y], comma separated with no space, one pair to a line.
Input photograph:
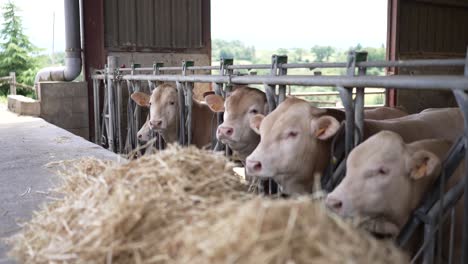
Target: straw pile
[182,205]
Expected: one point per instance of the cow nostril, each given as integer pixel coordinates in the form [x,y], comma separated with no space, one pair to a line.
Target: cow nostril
[334,204]
[140,136]
[229,131]
[258,166]
[159,122]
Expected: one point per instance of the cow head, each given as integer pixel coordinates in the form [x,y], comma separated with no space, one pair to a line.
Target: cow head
[294,145]
[164,110]
[384,182]
[242,104]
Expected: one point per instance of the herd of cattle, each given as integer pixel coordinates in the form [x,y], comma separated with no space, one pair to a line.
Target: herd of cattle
[386,176]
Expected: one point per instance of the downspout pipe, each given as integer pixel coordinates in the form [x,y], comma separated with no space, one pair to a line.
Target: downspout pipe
[73,62]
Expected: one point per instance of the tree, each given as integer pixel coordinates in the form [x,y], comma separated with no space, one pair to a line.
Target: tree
[322,52]
[15,48]
[299,53]
[282,51]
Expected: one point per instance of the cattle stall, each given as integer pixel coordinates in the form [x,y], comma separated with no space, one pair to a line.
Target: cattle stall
[431,212]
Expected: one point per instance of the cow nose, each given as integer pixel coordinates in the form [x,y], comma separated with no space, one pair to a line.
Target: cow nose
[156,124]
[226,131]
[254,166]
[334,204]
[140,136]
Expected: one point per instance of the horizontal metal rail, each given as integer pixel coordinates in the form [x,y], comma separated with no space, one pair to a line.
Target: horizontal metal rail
[313,65]
[329,93]
[445,82]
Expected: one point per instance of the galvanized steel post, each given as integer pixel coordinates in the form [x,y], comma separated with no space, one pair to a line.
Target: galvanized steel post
[97,116]
[111,66]
[359,101]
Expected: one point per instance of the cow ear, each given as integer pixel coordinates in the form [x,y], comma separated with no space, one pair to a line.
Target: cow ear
[255,122]
[141,99]
[266,108]
[423,163]
[215,102]
[324,127]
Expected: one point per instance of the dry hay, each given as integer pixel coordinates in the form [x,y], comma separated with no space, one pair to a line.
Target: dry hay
[278,231]
[182,205]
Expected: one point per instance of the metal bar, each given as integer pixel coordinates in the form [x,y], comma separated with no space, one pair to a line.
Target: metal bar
[189,103]
[181,127]
[428,257]
[280,60]
[119,116]
[377,64]
[400,82]
[97,119]
[330,93]
[462,100]
[452,235]
[359,102]
[112,63]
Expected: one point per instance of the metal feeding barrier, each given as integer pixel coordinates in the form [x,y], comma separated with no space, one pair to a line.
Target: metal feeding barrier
[435,209]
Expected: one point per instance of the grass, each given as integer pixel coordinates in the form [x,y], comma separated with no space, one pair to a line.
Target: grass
[3,99]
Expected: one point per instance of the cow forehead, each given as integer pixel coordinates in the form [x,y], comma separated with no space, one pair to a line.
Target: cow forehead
[243,98]
[287,116]
[163,92]
[382,148]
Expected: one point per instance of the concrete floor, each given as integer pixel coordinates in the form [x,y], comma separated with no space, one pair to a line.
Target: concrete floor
[26,145]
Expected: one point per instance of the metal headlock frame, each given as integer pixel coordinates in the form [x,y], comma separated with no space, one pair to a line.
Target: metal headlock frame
[431,210]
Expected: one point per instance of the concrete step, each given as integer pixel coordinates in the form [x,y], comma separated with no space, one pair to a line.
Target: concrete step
[24,105]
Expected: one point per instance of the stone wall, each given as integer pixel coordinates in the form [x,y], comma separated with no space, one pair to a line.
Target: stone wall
[65,104]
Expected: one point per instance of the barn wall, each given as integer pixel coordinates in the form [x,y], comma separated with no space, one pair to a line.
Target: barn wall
[430,29]
[155,26]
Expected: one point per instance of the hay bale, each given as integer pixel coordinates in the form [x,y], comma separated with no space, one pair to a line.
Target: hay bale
[177,206]
[277,231]
[125,212]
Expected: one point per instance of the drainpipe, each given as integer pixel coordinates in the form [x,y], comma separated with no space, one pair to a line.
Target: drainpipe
[72,67]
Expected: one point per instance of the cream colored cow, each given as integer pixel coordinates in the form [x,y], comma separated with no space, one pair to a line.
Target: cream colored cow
[296,140]
[386,179]
[164,113]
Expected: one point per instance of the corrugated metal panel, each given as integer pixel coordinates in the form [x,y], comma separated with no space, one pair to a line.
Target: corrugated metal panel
[152,24]
[426,26]
[163,24]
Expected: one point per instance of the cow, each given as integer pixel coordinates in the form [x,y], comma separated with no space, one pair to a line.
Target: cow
[386,179]
[164,115]
[245,102]
[296,140]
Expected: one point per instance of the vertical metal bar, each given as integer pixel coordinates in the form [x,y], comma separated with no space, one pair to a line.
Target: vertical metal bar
[97,113]
[181,128]
[452,233]
[112,63]
[429,250]
[464,107]
[189,102]
[346,95]
[359,102]
[281,71]
[119,115]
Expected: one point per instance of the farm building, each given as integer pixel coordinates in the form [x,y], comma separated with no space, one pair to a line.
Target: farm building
[128,193]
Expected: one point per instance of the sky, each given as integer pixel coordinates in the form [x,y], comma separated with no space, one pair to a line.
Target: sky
[265,24]
[38,23]
[272,24]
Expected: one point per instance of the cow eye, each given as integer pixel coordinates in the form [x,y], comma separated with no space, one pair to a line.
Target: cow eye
[292,134]
[172,103]
[253,111]
[383,171]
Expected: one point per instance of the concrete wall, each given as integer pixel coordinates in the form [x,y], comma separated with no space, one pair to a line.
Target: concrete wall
[65,104]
